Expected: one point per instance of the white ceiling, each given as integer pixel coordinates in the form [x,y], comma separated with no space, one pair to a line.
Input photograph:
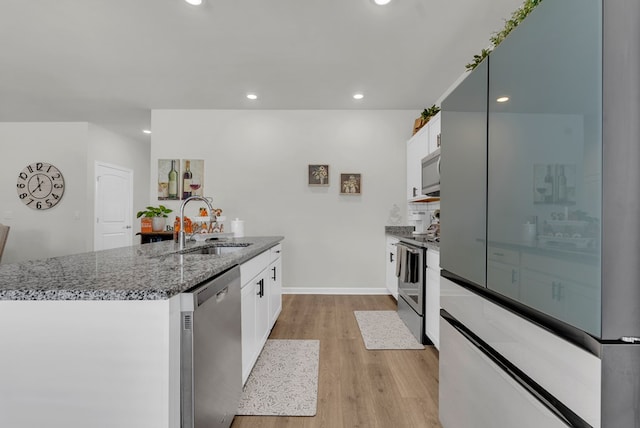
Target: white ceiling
[112,61]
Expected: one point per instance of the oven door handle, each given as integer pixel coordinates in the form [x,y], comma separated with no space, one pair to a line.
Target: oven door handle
[401,259]
[409,249]
[407,261]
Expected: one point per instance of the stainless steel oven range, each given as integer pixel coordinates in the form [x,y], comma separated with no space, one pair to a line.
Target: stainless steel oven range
[410,269]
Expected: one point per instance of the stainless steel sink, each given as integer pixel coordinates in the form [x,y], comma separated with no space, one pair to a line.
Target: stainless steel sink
[217,249]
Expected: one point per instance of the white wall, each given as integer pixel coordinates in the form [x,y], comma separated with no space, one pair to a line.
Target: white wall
[74,147]
[63,228]
[256,169]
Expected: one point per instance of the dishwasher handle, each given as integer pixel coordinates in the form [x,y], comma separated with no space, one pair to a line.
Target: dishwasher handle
[214,287]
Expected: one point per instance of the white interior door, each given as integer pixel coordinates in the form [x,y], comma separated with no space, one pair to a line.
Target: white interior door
[114,199]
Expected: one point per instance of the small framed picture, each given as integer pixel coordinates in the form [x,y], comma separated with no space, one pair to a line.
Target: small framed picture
[318,175]
[350,184]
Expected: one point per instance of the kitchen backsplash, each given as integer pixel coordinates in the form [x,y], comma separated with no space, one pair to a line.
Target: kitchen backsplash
[428,207]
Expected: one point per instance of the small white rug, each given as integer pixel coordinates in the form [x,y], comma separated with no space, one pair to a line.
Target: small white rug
[385,330]
[284,381]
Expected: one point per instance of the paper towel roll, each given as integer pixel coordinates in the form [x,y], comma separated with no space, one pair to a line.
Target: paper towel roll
[237,227]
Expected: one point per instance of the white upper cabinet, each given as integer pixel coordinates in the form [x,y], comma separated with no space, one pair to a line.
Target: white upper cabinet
[425,141]
[434,133]
[417,148]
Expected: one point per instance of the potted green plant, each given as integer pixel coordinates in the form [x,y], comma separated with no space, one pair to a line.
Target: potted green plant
[157,214]
[428,113]
[516,18]
[425,116]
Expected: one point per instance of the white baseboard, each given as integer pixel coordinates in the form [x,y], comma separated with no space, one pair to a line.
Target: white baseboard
[335,290]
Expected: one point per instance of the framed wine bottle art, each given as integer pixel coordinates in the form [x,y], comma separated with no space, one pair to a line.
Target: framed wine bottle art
[192,177]
[180,179]
[169,179]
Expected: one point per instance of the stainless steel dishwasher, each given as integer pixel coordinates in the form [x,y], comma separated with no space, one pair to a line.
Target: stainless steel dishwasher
[211,352]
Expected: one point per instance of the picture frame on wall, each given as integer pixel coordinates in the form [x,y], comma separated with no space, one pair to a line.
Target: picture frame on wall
[169,180]
[192,178]
[318,175]
[350,184]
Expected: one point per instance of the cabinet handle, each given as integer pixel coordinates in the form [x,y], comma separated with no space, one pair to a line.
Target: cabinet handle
[499,254]
[390,257]
[274,273]
[260,284]
[415,191]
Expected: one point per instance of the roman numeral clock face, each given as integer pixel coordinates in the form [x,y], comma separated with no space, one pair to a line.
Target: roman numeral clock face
[40,186]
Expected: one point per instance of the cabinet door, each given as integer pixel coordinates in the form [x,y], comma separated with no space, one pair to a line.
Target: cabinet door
[391,278]
[434,133]
[248,313]
[432,315]
[263,327]
[504,278]
[417,148]
[275,291]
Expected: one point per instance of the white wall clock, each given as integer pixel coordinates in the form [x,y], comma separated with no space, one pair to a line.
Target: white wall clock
[40,186]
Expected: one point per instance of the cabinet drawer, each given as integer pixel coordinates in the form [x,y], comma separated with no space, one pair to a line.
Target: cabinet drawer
[275,252]
[253,267]
[503,255]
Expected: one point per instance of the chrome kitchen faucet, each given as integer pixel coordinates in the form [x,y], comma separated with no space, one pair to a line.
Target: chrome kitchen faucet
[182,235]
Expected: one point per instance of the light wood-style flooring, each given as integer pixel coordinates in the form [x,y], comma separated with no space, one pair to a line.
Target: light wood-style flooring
[356,388]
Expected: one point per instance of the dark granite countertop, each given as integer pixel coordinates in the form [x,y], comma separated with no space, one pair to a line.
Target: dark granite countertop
[153,271]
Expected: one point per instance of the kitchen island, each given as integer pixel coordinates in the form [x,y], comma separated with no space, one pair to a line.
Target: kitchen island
[93,339]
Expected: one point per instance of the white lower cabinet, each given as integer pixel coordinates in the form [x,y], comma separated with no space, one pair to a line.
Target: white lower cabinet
[249,342]
[432,298]
[391,278]
[261,303]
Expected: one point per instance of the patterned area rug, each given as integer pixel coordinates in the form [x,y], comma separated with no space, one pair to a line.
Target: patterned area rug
[385,330]
[284,381]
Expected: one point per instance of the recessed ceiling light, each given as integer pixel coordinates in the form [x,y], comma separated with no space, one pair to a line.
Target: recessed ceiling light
[194,2]
[146,131]
[358,96]
[381,2]
[502,99]
[252,96]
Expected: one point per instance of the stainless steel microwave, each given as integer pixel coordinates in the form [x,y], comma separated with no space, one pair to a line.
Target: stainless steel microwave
[431,174]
